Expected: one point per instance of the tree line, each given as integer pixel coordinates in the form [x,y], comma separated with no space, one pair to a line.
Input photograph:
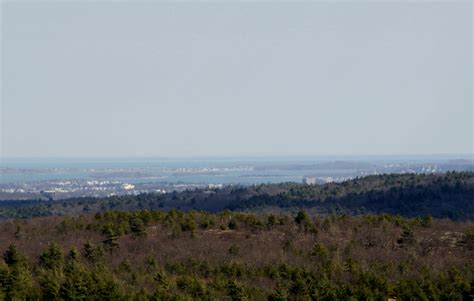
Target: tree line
[447,195]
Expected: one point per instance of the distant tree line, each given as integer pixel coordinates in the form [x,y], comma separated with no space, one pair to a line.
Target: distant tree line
[447,195]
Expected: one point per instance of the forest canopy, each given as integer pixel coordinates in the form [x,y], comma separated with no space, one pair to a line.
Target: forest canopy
[174,255]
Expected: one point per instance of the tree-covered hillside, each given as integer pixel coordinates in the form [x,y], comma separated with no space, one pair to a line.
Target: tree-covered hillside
[448,195]
[158,255]
[370,238]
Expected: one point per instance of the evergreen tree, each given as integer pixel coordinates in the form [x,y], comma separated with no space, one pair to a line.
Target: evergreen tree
[235,291]
[137,227]
[12,256]
[52,258]
[50,282]
[77,284]
[111,239]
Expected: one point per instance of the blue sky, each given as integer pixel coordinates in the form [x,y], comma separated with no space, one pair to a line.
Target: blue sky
[236,78]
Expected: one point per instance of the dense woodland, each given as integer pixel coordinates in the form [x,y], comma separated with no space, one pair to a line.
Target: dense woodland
[448,195]
[405,236]
[173,255]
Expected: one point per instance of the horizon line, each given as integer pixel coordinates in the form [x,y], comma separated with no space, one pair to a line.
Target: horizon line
[246,156]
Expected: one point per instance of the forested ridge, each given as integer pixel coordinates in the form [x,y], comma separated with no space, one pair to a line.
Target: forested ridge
[449,195]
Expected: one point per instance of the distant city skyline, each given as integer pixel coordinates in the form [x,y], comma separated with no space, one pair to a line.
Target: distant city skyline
[236,79]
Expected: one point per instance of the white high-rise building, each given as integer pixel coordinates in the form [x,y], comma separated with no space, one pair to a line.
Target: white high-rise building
[309,180]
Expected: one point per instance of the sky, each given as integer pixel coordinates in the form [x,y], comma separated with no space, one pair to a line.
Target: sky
[235,78]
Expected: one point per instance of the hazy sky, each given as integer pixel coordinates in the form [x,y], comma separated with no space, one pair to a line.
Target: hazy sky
[236,78]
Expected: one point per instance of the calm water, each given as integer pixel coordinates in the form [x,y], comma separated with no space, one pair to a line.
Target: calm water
[269,169]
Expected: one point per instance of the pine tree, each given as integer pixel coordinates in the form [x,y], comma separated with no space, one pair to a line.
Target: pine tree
[235,291]
[137,227]
[52,258]
[77,284]
[93,253]
[12,256]
[50,282]
[111,239]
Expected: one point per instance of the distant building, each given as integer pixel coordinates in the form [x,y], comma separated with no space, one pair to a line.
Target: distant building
[309,180]
[128,186]
[215,186]
[326,179]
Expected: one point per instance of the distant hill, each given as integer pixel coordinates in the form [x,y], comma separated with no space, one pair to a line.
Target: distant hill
[448,195]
